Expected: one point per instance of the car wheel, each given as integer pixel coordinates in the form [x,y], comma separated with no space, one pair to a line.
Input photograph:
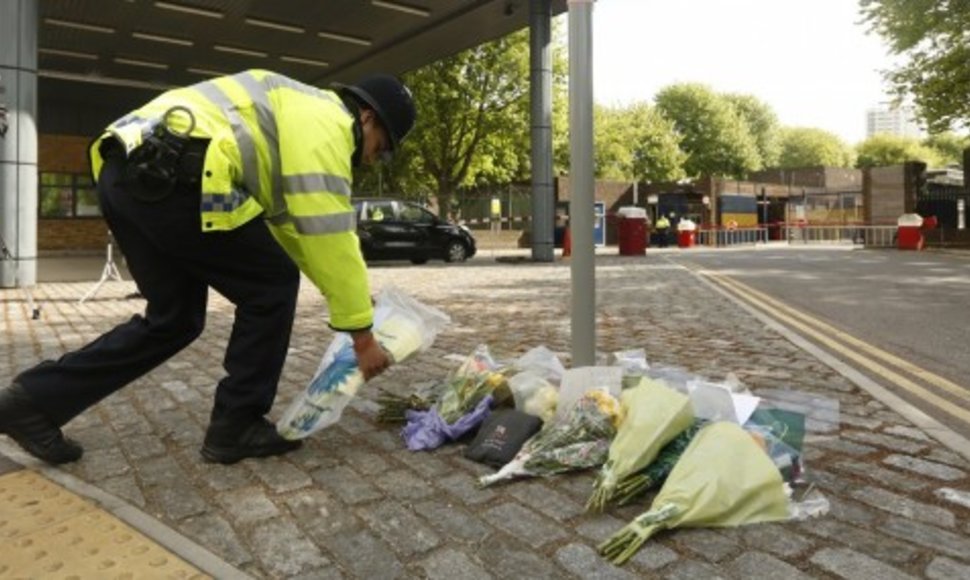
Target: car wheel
[419,260]
[456,252]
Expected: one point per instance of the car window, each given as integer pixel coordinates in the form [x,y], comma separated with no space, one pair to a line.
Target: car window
[379,211]
[415,214]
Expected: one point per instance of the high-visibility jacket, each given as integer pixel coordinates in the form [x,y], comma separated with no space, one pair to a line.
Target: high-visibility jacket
[279,149]
[662,223]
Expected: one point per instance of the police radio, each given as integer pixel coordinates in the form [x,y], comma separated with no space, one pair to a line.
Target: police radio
[154,165]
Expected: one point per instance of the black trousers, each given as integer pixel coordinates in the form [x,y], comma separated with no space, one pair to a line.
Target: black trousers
[174,263]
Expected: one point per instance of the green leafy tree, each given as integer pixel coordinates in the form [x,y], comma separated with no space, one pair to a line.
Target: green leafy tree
[931,36]
[655,148]
[611,151]
[714,135]
[950,147]
[883,149]
[762,124]
[635,142]
[810,147]
[472,123]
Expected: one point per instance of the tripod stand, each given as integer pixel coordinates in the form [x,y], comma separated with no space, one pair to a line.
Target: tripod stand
[6,255]
[109,272]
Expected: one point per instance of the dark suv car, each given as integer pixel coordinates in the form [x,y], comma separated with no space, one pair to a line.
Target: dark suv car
[391,229]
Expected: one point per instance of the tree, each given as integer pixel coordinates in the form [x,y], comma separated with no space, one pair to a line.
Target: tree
[655,150]
[883,149]
[714,135]
[810,147]
[635,142]
[612,135]
[762,124]
[472,123]
[931,36]
[949,146]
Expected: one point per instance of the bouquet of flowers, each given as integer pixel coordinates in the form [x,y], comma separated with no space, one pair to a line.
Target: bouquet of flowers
[578,440]
[633,486]
[477,377]
[723,479]
[394,407]
[402,326]
[652,416]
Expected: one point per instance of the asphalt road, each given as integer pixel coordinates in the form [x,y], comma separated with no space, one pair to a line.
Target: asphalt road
[913,305]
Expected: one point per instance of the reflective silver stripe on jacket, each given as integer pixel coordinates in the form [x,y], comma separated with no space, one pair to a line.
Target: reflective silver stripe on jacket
[274,81]
[325,224]
[316,182]
[146,124]
[267,124]
[145,127]
[319,224]
[247,147]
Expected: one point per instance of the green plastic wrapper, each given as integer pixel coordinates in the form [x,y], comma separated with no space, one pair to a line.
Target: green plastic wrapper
[724,479]
[653,415]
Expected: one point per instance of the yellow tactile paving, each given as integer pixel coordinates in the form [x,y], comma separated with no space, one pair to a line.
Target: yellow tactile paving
[49,532]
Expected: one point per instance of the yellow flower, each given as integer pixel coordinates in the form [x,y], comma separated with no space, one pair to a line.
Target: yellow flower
[607,404]
[495,379]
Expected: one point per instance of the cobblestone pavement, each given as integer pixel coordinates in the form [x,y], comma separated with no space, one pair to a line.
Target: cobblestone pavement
[355,503]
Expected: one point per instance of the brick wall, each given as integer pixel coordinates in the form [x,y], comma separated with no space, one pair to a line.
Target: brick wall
[68,154]
[83,235]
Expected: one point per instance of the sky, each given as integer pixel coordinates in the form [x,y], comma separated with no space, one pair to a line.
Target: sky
[809,60]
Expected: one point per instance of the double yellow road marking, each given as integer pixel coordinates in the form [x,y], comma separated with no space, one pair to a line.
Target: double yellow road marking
[850,347]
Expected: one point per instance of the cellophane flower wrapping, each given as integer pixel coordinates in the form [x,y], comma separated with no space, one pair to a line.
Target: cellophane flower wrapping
[402,326]
[478,376]
[723,479]
[578,440]
[653,415]
[634,486]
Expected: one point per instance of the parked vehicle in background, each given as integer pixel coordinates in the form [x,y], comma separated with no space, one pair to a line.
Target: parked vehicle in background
[392,229]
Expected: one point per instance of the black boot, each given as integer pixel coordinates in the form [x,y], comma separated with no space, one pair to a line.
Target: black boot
[229,442]
[37,434]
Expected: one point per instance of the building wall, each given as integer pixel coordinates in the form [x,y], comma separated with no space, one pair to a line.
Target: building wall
[899,121]
[832,178]
[62,153]
[884,196]
[67,154]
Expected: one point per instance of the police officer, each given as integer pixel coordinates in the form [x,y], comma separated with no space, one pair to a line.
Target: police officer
[663,228]
[235,184]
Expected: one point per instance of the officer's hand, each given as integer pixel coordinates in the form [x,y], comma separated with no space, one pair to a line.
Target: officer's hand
[371,358]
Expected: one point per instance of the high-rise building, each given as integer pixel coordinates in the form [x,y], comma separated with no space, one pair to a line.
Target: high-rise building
[899,121]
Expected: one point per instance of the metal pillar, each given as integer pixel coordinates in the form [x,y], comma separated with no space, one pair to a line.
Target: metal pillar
[583,263]
[18,142]
[540,82]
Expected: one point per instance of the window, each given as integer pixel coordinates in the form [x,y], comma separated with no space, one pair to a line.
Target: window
[67,195]
[379,211]
[415,214]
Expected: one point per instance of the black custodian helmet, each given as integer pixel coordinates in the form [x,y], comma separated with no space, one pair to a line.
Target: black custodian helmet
[389,98]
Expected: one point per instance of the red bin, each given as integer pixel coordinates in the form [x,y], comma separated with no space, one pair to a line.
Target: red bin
[686,238]
[631,229]
[909,233]
[686,233]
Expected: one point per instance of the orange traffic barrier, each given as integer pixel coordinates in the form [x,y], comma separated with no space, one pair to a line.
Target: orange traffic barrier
[567,244]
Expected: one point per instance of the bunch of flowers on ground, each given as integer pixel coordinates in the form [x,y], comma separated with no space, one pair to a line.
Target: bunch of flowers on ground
[579,440]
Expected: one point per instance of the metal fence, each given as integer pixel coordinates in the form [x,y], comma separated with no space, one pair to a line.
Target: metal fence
[731,237]
[868,236]
[860,235]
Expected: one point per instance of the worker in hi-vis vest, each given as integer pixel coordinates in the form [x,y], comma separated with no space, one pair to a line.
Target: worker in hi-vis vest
[663,230]
[237,184]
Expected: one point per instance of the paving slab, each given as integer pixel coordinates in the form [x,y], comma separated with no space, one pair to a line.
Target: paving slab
[354,503]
